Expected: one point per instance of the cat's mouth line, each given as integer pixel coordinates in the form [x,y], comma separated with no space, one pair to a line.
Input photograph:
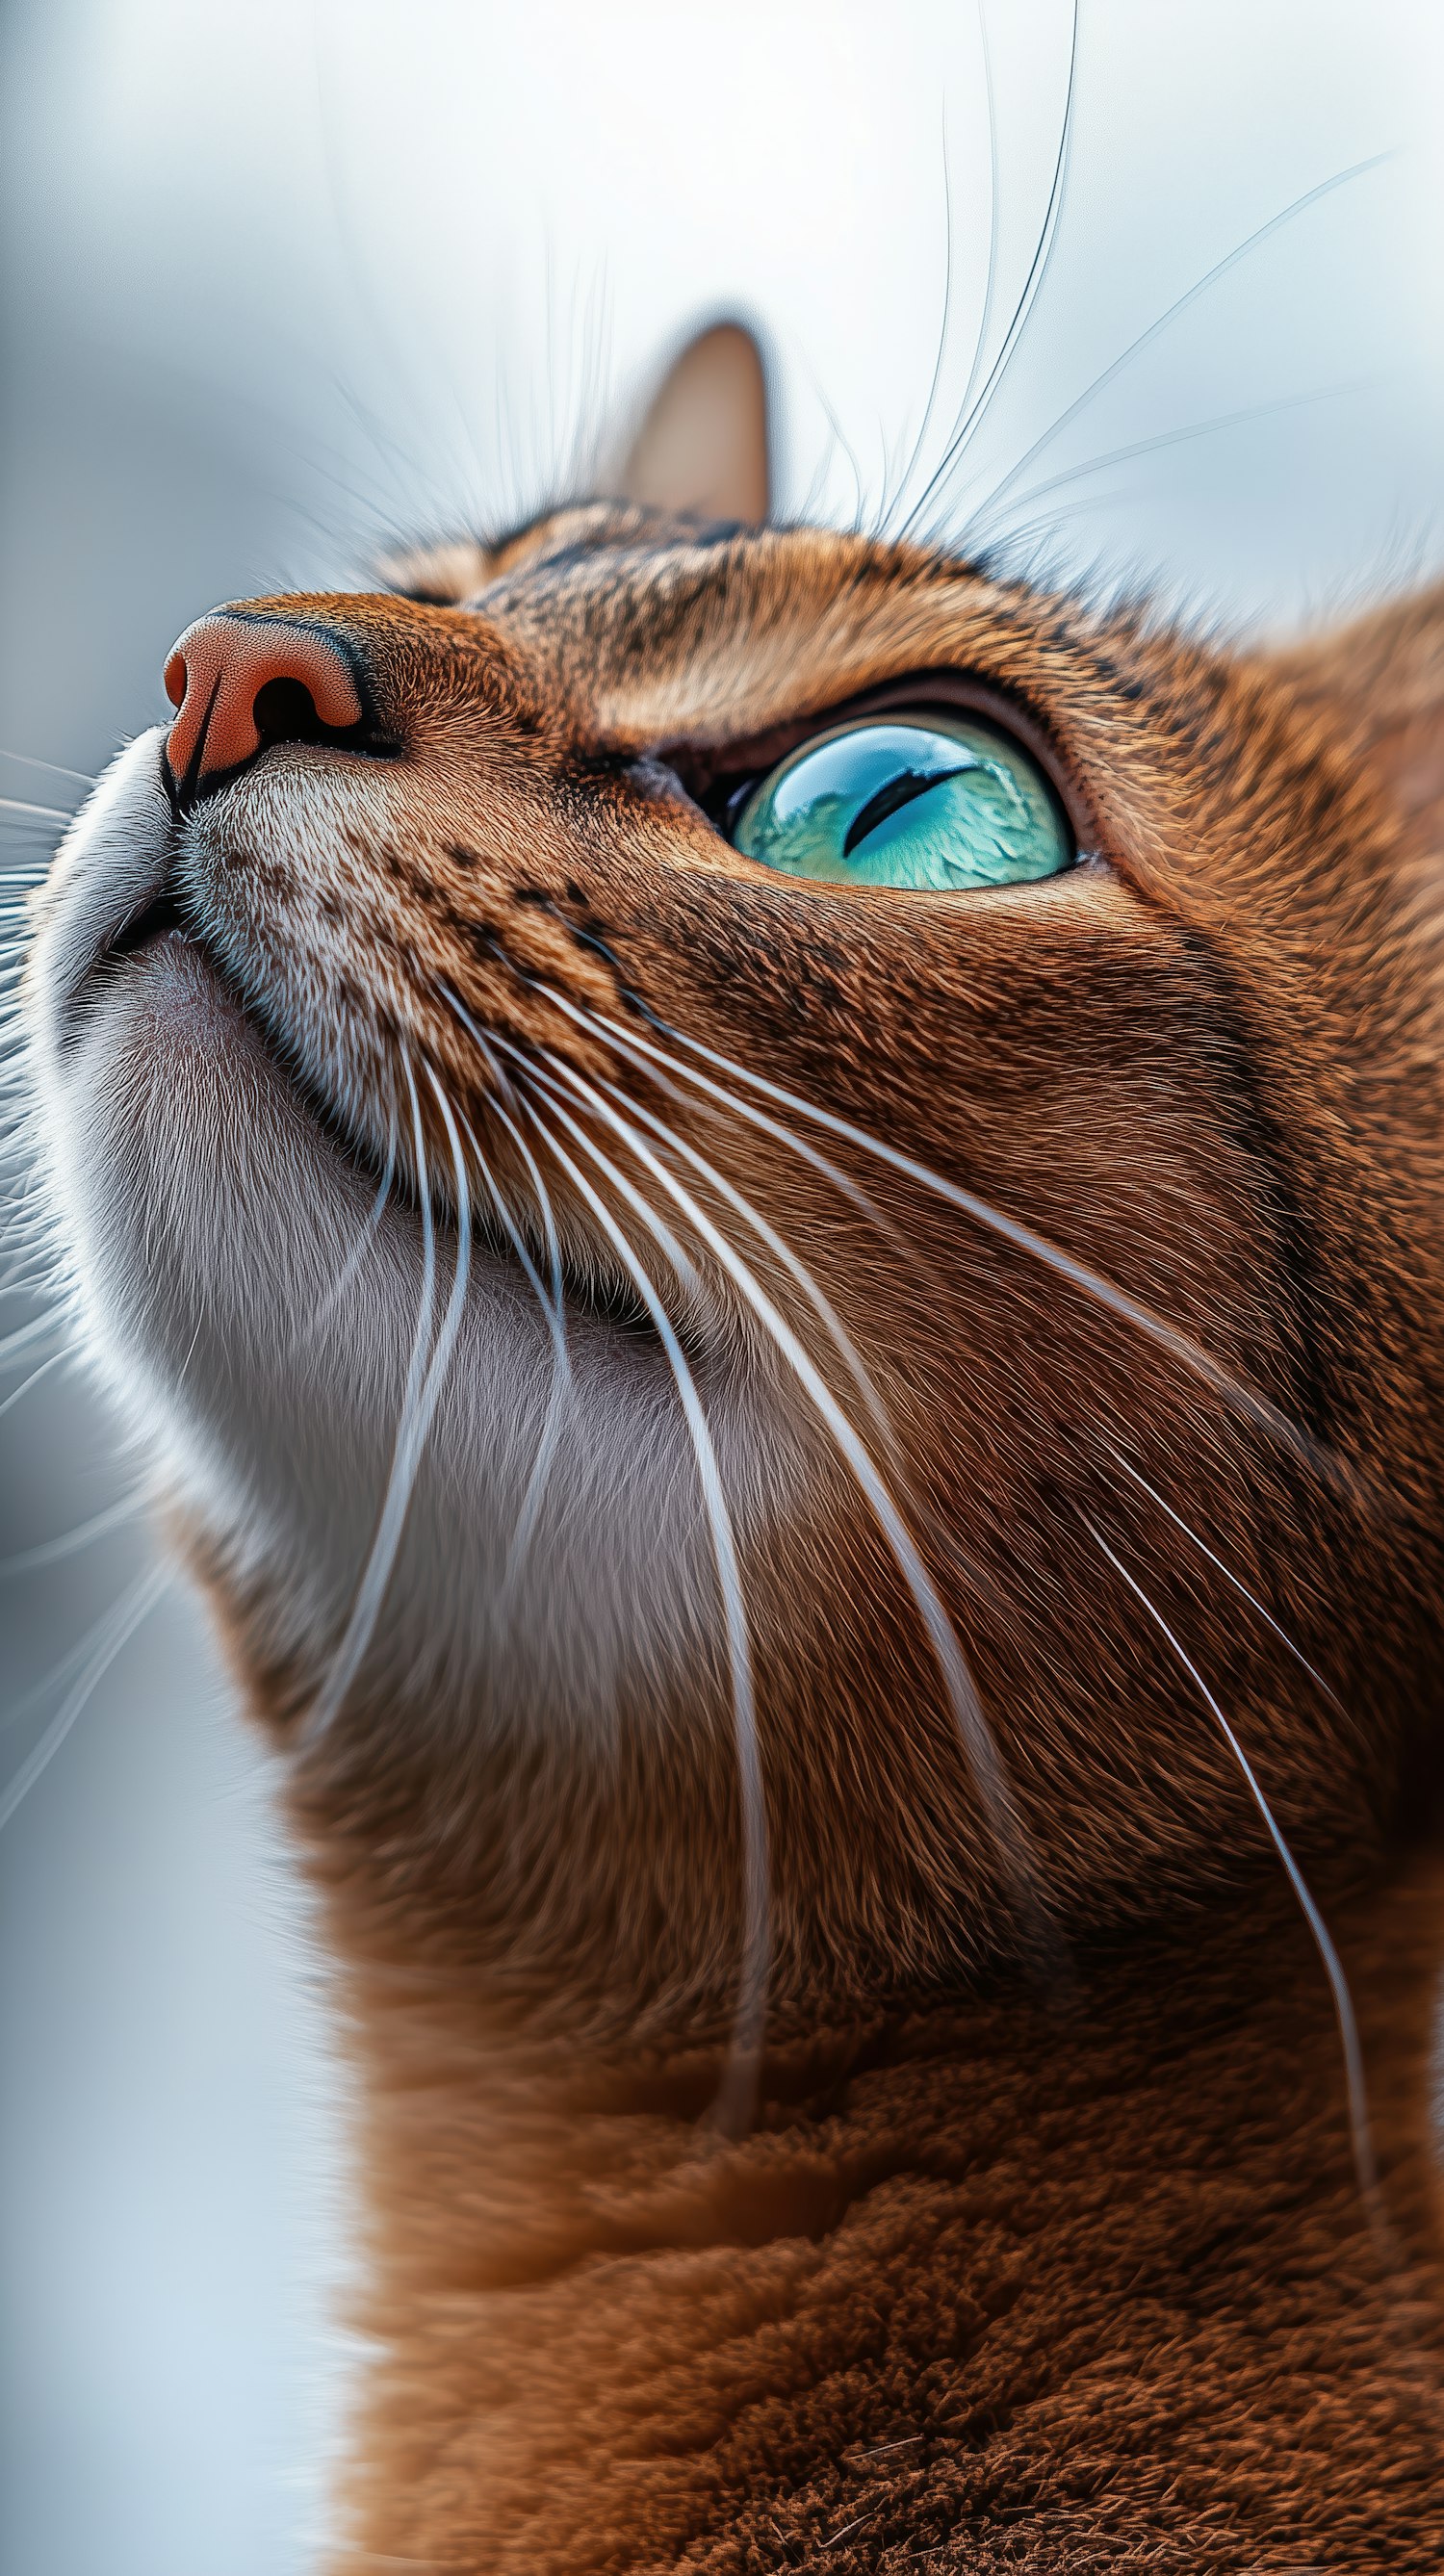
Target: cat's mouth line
[156,921]
[142,931]
[589,1289]
[518,1244]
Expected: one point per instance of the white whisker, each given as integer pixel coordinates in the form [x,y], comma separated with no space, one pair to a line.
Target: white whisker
[423,1387]
[504,1089]
[120,1628]
[781,1251]
[724,1104]
[975,410]
[59,1673]
[974,1731]
[737,2101]
[354,1259]
[57,769]
[1226,1571]
[38,813]
[49,1551]
[554,1315]
[1011,1230]
[552,1307]
[1116,366]
[1333,1966]
[16,1392]
[25,1334]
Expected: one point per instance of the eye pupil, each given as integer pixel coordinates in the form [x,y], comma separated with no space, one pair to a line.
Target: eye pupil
[940,804]
[890,799]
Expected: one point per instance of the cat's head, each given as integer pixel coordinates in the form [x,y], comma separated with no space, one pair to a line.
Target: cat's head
[771,1205]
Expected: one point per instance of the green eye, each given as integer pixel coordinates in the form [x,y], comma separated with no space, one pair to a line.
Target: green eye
[942,803]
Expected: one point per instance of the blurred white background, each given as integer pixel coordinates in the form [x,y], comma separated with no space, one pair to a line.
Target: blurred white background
[285,282]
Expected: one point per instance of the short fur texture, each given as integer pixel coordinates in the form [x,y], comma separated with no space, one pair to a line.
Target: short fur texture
[1041,2245]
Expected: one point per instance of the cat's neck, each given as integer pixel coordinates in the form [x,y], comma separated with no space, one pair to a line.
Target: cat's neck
[1015,2260]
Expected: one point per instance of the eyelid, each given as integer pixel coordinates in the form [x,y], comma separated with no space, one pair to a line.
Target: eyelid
[718,775]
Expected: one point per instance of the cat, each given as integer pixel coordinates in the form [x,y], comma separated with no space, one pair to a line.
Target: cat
[771,1204]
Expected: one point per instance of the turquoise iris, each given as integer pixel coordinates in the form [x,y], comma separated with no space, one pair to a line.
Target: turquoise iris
[942,803]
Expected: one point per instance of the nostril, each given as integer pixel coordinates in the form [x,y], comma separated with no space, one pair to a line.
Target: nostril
[242,681]
[285,711]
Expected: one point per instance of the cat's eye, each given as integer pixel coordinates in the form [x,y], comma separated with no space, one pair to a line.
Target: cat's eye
[941,803]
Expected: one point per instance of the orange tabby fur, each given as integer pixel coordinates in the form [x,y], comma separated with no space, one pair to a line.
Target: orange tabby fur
[1044,2247]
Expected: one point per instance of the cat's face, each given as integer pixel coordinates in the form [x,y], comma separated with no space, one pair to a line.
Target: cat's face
[968,1298]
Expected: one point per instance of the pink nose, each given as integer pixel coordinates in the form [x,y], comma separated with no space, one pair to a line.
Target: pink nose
[239,680]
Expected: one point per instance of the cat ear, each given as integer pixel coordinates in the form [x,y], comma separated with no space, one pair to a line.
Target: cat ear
[703,446]
[1380,682]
